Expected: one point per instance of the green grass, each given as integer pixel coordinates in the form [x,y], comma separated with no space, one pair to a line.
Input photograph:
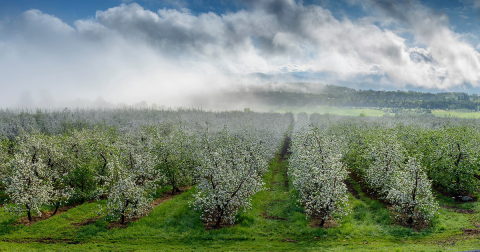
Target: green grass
[460,113]
[332,110]
[174,225]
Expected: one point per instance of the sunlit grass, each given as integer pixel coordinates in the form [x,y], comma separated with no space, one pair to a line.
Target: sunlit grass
[456,113]
[175,225]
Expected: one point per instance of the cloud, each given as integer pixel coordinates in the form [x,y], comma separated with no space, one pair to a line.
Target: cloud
[92,60]
[472,3]
[453,62]
[36,22]
[128,53]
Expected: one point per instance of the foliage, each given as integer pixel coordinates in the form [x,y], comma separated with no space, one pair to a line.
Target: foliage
[4,159]
[230,172]
[386,157]
[318,174]
[411,194]
[28,184]
[174,150]
[131,179]
[454,159]
[104,153]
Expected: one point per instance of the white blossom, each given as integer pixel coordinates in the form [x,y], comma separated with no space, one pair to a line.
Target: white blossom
[230,172]
[318,174]
[28,185]
[411,193]
[131,180]
[386,157]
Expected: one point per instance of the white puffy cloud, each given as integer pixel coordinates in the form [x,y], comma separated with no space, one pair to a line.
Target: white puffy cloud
[36,22]
[128,53]
[453,62]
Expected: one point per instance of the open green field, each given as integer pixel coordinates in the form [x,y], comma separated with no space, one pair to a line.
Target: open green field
[275,223]
[347,111]
[460,113]
[456,113]
[333,110]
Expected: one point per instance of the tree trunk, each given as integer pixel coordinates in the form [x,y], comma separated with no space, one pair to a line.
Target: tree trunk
[411,210]
[82,188]
[175,189]
[56,207]
[219,219]
[29,214]
[322,222]
[123,214]
[410,219]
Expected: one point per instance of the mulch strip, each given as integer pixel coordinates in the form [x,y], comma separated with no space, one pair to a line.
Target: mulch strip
[86,222]
[316,220]
[118,224]
[210,225]
[351,189]
[470,231]
[401,220]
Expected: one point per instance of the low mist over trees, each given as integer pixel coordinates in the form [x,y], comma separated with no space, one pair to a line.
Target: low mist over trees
[307,94]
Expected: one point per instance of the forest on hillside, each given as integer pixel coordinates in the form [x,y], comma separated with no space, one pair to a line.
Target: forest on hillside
[306,94]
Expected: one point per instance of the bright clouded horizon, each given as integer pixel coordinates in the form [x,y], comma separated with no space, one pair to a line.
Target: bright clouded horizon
[161,51]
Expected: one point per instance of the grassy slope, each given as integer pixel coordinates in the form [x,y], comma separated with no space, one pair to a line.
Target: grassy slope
[174,225]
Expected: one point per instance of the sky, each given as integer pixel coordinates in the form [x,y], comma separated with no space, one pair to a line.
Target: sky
[161,51]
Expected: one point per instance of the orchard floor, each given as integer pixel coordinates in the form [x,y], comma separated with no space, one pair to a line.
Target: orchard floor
[275,223]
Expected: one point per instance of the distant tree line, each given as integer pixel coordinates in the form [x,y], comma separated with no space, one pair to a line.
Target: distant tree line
[342,96]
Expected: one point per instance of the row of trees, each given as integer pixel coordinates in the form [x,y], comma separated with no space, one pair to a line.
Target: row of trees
[400,179]
[447,149]
[126,168]
[318,174]
[54,170]
[231,171]
[398,159]
[13,122]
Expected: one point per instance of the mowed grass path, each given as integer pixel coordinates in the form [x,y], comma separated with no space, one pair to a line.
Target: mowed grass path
[276,222]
